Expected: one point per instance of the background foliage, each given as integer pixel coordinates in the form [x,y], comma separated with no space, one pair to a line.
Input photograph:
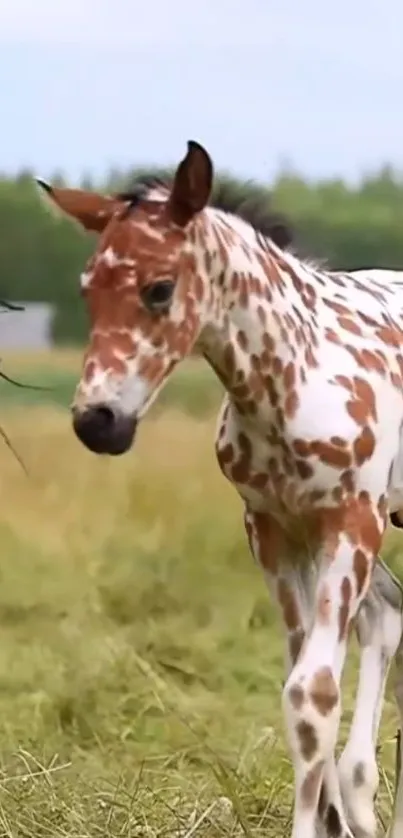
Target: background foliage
[350,226]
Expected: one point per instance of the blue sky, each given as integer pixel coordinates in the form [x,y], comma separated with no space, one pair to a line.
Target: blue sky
[88,84]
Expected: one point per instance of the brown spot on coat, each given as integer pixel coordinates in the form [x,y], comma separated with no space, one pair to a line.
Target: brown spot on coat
[338,307]
[332,336]
[356,518]
[289,605]
[324,691]
[304,469]
[308,739]
[349,325]
[301,447]
[361,569]
[390,335]
[296,696]
[396,380]
[226,454]
[310,359]
[364,446]
[242,340]
[359,775]
[366,394]
[289,376]
[331,454]
[291,404]
[259,480]
[338,441]
[269,539]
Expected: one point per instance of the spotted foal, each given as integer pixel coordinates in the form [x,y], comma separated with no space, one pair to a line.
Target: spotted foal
[310,434]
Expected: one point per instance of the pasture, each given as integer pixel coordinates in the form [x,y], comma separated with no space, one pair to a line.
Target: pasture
[141,660]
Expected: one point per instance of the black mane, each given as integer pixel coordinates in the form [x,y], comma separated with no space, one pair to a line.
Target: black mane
[241,199]
[140,188]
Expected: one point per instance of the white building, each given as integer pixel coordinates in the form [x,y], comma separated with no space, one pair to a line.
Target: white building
[28,329]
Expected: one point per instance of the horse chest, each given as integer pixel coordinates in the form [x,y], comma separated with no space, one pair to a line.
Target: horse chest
[272,471]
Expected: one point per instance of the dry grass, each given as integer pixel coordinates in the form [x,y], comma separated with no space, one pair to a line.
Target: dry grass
[141,659]
[68,358]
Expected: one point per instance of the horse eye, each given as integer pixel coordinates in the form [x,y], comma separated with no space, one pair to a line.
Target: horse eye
[157,296]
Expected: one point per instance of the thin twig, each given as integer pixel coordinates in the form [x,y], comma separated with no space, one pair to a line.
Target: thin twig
[13,451]
[3,434]
[200,819]
[31,774]
[11,306]
[22,383]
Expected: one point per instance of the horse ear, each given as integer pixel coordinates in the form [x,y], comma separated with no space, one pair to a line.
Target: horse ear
[192,184]
[91,210]
[281,234]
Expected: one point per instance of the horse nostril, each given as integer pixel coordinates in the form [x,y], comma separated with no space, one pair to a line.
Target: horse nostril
[104,417]
[95,425]
[104,430]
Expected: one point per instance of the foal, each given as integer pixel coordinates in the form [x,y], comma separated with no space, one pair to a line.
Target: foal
[310,434]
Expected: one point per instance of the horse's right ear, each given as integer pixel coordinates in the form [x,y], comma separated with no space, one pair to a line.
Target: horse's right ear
[91,210]
[192,184]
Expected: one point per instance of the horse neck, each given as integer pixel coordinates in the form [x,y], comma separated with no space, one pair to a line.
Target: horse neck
[264,316]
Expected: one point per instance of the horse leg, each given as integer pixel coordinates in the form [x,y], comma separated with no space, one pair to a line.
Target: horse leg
[396,827]
[292,581]
[311,697]
[379,631]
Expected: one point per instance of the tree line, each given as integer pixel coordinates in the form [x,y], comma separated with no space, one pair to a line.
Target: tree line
[348,226]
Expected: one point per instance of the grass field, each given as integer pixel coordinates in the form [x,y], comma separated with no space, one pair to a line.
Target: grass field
[141,660]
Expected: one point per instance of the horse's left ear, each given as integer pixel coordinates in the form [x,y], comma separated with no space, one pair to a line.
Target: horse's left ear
[192,184]
[91,210]
[281,234]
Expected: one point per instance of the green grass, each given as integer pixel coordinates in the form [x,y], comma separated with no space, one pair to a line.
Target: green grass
[141,660]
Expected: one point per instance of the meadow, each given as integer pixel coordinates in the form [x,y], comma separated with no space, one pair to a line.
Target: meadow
[141,659]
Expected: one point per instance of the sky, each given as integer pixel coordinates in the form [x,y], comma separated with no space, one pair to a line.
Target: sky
[263,84]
